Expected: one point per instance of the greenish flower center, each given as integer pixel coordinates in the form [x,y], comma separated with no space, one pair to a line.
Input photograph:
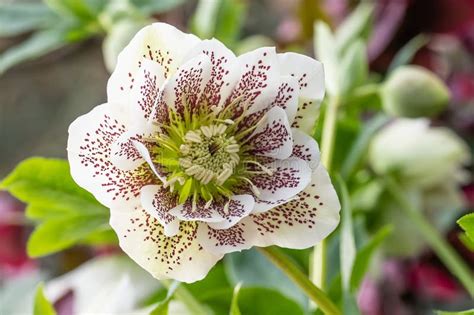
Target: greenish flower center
[205,155]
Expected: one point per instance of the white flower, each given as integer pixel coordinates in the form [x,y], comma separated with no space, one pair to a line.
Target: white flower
[199,153]
[421,155]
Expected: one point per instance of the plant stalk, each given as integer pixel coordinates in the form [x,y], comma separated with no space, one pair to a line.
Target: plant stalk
[318,259]
[444,251]
[317,295]
[183,295]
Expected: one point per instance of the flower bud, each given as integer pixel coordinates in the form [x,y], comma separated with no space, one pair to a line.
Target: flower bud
[413,91]
[420,155]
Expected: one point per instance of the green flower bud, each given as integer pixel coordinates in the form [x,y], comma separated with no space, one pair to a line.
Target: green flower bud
[413,91]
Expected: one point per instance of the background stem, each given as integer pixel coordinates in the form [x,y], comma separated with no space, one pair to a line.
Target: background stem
[192,304]
[318,260]
[299,278]
[444,251]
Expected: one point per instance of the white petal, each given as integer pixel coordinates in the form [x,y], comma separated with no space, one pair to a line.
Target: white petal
[302,222]
[159,42]
[158,201]
[239,207]
[180,257]
[290,177]
[310,75]
[124,154]
[200,212]
[258,83]
[236,238]
[272,138]
[305,148]
[89,152]
[145,95]
[186,86]
[225,70]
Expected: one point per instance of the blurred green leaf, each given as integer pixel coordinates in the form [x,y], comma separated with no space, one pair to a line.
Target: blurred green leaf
[251,43]
[356,26]
[365,254]
[234,306]
[203,22]
[468,312]
[41,305]
[18,18]
[150,7]
[252,269]
[162,307]
[39,44]
[58,234]
[69,214]
[230,19]
[354,66]
[467,224]
[408,51]
[72,8]
[266,302]
[327,52]
[347,249]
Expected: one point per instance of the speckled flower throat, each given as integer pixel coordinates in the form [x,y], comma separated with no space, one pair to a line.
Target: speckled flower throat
[199,152]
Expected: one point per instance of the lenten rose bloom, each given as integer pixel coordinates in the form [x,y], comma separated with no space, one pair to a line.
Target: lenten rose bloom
[199,153]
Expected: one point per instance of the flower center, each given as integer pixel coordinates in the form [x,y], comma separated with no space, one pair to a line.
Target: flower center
[209,154]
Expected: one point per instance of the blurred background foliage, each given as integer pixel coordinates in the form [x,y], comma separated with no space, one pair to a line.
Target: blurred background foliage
[385,61]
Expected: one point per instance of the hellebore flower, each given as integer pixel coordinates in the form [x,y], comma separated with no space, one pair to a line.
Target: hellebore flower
[198,152]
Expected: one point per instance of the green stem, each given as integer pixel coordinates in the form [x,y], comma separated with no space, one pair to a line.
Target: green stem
[444,251]
[318,259]
[299,278]
[183,294]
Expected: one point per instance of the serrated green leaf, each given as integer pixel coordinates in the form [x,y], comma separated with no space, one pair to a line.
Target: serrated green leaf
[37,45]
[356,26]
[354,66]
[55,235]
[467,224]
[327,52]
[234,305]
[41,305]
[47,186]
[365,254]
[18,18]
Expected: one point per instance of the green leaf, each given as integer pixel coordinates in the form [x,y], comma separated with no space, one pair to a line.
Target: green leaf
[347,249]
[41,305]
[467,224]
[356,26]
[154,7]
[252,269]
[18,18]
[162,307]
[266,302]
[365,254]
[37,45]
[468,312]
[234,305]
[327,52]
[68,213]
[203,23]
[74,8]
[354,66]
[408,51]
[58,234]
[230,19]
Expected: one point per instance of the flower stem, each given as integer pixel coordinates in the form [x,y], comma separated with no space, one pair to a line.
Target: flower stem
[318,259]
[299,278]
[183,294]
[444,251]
